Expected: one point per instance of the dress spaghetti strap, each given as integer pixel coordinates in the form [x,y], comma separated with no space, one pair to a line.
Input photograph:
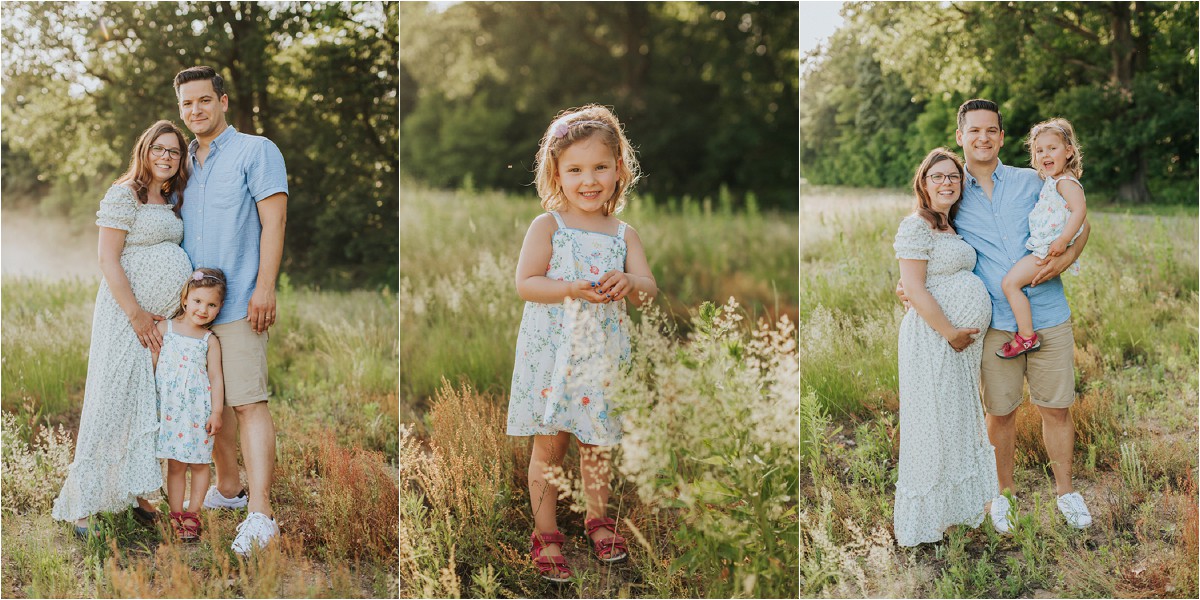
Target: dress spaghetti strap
[558,219]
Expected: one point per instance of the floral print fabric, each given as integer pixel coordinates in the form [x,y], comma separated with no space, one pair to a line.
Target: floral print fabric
[114,452]
[567,352]
[947,467]
[1048,219]
[185,398]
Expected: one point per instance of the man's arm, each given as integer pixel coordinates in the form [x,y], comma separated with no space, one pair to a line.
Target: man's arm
[272,212]
[1053,266]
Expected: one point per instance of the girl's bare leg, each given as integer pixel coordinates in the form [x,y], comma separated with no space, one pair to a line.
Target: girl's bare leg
[595,464]
[1019,276]
[200,478]
[176,480]
[548,451]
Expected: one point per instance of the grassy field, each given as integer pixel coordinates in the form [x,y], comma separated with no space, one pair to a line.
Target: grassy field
[705,481]
[1134,310]
[333,382]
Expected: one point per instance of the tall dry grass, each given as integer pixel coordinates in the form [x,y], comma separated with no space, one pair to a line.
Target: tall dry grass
[704,482]
[333,386]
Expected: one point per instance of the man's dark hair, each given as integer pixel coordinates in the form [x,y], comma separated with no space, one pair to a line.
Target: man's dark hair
[199,73]
[968,106]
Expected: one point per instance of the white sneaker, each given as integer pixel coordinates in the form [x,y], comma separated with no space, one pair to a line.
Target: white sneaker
[214,499]
[1073,508]
[999,514]
[256,528]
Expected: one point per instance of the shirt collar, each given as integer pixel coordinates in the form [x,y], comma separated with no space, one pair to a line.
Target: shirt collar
[997,174]
[225,136]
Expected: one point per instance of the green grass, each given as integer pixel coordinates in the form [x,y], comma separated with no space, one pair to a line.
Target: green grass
[333,382]
[459,309]
[1134,311]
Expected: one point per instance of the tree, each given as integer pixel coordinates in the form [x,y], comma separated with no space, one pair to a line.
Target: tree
[1123,72]
[84,80]
[706,91]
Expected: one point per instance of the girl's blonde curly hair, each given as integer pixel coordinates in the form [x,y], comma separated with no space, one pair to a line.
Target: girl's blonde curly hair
[1063,129]
[578,124]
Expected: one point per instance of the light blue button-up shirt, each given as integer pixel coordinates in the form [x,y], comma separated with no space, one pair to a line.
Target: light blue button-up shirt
[221,228]
[998,229]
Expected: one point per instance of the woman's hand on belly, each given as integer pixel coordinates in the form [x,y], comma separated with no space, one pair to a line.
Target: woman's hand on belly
[962,338]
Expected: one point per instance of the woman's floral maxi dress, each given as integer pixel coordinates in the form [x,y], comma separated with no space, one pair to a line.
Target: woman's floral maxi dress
[947,466]
[567,352]
[114,451]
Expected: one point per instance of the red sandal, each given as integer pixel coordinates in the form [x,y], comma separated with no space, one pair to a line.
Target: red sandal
[1020,345]
[613,546]
[548,565]
[186,533]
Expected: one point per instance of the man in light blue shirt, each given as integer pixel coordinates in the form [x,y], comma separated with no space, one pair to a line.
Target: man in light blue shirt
[234,212]
[993,217]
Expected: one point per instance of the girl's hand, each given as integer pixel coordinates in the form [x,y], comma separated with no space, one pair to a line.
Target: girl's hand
[147,333]
[614,285]
[1057,247]
[962,338]
[586,290]
[213,426]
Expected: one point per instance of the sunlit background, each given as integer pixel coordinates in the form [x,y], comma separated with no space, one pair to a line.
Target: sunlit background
[82,80]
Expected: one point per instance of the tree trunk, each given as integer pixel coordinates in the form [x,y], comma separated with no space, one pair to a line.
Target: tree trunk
[636,64]
[1124,52]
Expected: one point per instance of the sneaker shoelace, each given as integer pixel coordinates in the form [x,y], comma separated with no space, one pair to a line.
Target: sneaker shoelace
[1074,506]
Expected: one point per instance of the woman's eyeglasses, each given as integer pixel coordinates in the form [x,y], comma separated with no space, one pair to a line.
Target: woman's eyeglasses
[157,151]
[940,178]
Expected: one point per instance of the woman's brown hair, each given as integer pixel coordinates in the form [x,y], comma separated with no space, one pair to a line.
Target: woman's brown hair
[924,203]
[140,164]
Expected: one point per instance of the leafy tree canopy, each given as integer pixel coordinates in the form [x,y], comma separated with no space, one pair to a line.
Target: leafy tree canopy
[887,87]
[83,80]
[706,90]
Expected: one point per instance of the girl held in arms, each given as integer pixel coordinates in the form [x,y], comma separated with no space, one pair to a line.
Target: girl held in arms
[1054,223]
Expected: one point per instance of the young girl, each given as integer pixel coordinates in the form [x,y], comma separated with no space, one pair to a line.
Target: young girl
[191,394]
[578,264]
[1054,223]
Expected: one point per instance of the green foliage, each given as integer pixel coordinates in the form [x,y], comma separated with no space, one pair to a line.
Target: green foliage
[320,80]
[709,429]
[459,309]
[706,90]
[886,90]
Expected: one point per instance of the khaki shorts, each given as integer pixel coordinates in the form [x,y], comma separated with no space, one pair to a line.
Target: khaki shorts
[243,362]
[1050,371]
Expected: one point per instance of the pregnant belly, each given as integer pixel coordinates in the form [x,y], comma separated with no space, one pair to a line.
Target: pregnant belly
[964,300]
[157,274]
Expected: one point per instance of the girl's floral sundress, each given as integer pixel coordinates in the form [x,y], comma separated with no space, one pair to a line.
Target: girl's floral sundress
[1048,219]
[185,398]
[567,353]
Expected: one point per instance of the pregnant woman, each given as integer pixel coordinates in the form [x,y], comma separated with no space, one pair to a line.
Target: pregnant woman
[144,269]
[947,466]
